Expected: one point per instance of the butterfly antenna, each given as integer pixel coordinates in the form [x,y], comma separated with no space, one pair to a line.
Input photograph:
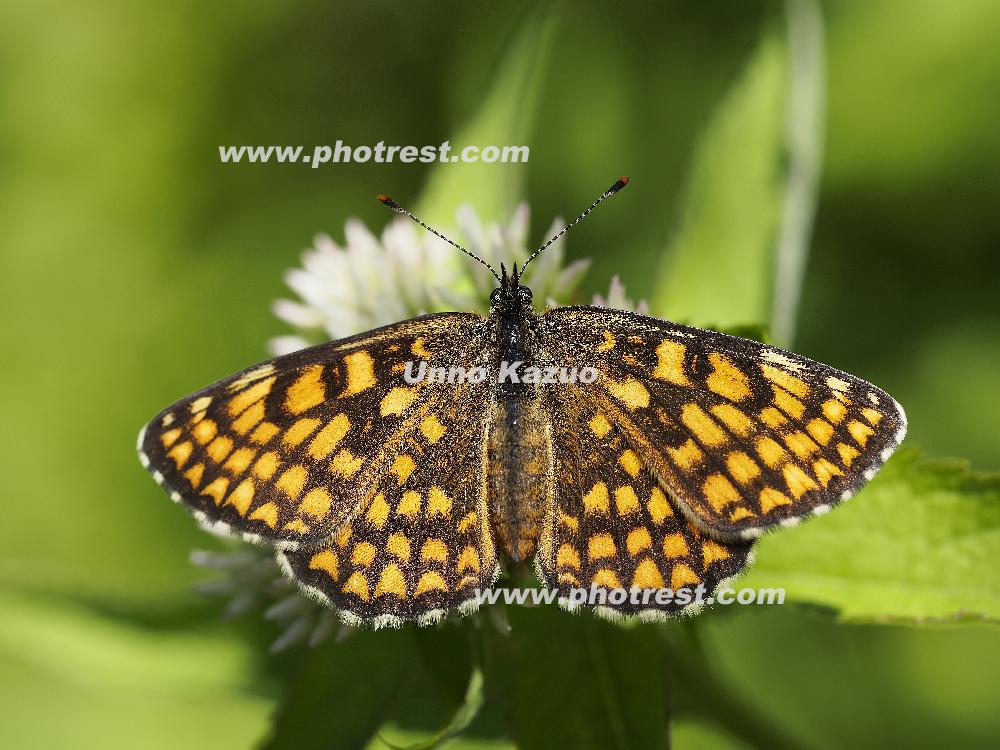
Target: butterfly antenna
[385,200]
[622,182]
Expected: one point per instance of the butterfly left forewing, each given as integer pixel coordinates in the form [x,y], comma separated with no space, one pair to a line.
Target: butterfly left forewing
[284,451]
[745,436]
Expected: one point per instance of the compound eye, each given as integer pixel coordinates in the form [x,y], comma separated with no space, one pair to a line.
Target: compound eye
[524,293]
[495,296]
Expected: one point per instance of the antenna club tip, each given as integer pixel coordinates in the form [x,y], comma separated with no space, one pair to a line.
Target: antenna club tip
[622,182]
[385,200]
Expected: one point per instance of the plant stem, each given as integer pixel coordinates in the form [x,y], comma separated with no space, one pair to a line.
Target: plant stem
[804,138]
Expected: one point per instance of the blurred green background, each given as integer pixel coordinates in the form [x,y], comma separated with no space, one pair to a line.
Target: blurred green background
[136,268]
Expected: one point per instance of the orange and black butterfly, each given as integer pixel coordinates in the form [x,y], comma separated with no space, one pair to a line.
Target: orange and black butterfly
[395,498]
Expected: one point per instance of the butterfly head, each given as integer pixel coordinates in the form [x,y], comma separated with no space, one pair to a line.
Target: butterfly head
[511,296]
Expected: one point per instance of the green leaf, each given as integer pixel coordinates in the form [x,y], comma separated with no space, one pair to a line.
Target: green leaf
[445,670]
[578,682]
[460,720]
[920,544]
[383,690]
[719,265]
[70,677]
[505,117]
[687,732]
[357,681]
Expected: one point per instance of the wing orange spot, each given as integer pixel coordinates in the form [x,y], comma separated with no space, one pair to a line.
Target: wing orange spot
[360,373]
[363,554]
[600,426]
[430,581]
[241,497]
[399,546]
[316,504]
[567,557]
[686,455]
[299,431]
[597,500]
[346,464]
[658,507]
[438,503]
[326,560]
[292,480]
[329,437]
[246,398]
[469,558]
[743,468]
[397,400]
[357,584]
[820,430]
[682,576]
[771,498]
[409,506]
[733,418]
[249,418]
[785,380]
[626,500]
[647,575]
[727,379]
[268,513]
[391,582]
[264,432]
[432,429]
[629,391]
[601,545]
[607,579]
[719,491]
[434,549]
[670,363]
[266,465]
[307,391]
[798,481]
[712,552]
[638,539]
[703,426]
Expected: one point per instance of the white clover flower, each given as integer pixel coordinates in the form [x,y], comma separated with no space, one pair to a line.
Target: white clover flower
[616,298]
[368,283]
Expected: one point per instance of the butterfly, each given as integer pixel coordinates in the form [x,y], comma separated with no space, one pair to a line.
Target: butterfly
[395,499]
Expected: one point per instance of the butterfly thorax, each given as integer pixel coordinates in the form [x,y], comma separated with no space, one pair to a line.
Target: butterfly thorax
[516,325]
[518,444]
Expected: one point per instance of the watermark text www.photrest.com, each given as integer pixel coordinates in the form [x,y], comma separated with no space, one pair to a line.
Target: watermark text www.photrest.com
[597,596]
[379,153]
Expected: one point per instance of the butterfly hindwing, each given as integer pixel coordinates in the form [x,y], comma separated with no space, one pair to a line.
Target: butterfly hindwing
[614,527]
[421,544]
[285,451]
[745,436]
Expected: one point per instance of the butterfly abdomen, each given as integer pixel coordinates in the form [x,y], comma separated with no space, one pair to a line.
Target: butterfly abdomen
[518,465]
